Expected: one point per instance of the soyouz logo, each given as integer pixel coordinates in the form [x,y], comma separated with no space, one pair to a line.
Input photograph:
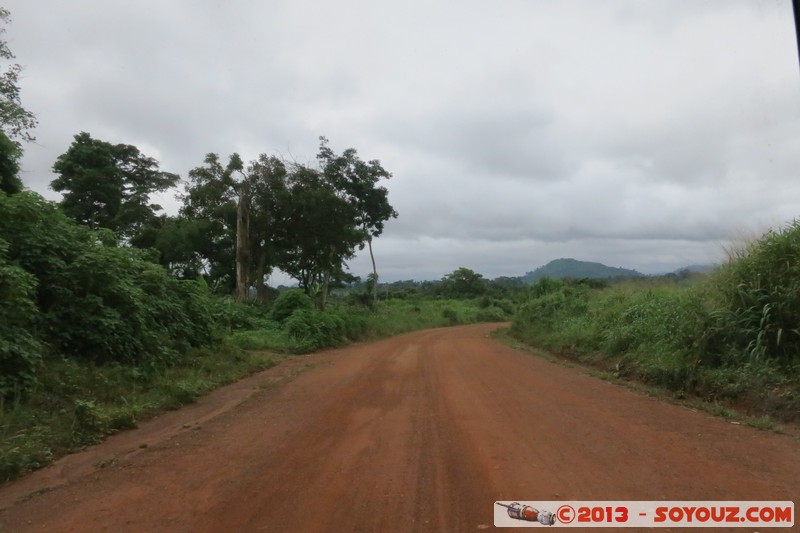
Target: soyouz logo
[620,514]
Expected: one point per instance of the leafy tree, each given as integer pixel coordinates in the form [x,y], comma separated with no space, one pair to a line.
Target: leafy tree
[269,197]
[210,197]
[9,165]
[109,186]
[463,283]
[182,243]
[243,209]
[223,195]
[268,214]
[320,232]
[357,181]
[16,122]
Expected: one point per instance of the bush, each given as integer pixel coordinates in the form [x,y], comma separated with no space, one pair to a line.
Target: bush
[97,300]
[491,314]
[20,349]
[89,422]
[312,329]
[289,302]
[230,315]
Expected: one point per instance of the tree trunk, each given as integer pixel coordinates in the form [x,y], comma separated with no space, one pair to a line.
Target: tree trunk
[261,271]
[242,244]
[374,274]
[323,297]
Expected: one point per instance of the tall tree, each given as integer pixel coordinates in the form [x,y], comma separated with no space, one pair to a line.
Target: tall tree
[357,182]
[321,232]
[269,197]
[245,206]
[16,122]
[109,185]
[211,198]
[305,221]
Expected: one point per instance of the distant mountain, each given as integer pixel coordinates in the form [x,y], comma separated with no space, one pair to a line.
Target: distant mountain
[572,268]
[700,269]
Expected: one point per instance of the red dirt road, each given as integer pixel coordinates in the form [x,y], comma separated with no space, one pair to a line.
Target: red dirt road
[422,432]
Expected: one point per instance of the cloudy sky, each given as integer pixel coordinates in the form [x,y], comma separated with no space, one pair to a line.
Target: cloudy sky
[642,134]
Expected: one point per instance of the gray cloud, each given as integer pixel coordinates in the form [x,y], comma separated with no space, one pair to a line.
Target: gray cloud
[640,134]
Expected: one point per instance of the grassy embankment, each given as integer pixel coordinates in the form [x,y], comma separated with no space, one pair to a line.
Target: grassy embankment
[731,339]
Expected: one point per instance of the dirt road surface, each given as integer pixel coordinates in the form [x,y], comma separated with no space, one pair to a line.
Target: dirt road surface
[422,432]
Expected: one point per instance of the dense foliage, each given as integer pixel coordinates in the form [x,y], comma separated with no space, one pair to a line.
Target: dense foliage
[272,214]
[109,185]
[84,296]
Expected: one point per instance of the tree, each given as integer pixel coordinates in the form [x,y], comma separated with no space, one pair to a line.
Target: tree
[181,242]
[9,165]
[109,186]
[243,207]
[16,122]
[357,182]
[269,197]
[306,221]
[320,232]
[463,283]
[211,196]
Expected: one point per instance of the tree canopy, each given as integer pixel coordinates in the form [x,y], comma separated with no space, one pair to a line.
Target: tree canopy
[270,214]
[109,185]
[16,122]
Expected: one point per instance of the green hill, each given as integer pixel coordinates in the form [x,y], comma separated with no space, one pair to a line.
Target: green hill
[572,268]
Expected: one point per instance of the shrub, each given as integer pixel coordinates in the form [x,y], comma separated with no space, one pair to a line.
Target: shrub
[313,329]
[231,315]
[451,315]
[289,302]
[97,300]
[491,314]
[89,422]
[20,350]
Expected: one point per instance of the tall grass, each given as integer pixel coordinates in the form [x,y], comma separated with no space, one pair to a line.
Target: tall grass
[732,336]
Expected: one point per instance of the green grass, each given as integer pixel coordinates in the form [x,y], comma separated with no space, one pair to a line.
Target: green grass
[349,323]
[714,407]
[703,339]
[76,403]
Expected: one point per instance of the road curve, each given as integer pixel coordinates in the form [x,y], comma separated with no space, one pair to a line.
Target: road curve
[421,432]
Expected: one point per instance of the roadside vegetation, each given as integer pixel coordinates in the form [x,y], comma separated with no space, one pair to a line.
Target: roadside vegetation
[111,311]
[731,338]
[64,399]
